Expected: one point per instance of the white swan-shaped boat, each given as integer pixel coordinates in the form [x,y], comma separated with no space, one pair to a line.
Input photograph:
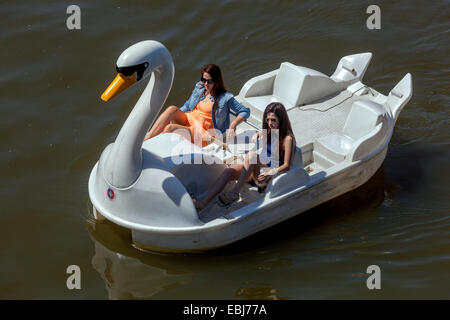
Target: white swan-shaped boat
[342,128]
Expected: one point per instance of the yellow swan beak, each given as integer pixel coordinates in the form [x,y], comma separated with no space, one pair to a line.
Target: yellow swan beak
[118,85]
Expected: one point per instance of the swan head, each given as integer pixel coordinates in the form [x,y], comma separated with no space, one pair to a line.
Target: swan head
[134,64]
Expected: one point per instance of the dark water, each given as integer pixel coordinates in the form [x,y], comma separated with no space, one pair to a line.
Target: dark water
[53,127]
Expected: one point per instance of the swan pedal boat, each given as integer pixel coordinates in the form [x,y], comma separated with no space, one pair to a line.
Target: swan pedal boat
[342,129]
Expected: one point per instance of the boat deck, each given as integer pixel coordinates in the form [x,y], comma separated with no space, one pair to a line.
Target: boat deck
[322,118]
[309,122]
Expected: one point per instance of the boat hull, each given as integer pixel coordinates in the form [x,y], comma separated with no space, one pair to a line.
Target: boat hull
[263,217]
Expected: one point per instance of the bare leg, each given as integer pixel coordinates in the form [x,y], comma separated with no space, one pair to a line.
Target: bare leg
[171,114]
[246,171]
[179,129]
[171,127]
[228,175]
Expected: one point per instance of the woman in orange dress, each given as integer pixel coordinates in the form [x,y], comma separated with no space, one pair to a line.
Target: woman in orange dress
[200,122]
[205,112]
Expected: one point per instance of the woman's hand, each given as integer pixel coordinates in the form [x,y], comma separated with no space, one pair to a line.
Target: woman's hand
[267,174]
[231,133]
[255,137]
[207,137]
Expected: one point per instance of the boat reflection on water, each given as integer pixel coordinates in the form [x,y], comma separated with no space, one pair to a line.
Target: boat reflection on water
[133,274]
[130,273]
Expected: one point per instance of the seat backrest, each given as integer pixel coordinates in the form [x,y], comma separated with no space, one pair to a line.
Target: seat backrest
[352,68]
[296,85]
[297,159]
[363,117]
[288,83]
[288,181]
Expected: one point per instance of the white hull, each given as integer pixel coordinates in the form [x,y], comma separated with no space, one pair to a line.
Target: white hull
[263,217]
[226,230]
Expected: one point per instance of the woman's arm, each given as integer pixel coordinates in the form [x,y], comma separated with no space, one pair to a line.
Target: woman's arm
[231,131]
[236,121]
[288,145]
[241,112]
[238,108]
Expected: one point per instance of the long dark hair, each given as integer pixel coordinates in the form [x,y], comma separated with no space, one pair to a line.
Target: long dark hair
[215,73]
[284,124]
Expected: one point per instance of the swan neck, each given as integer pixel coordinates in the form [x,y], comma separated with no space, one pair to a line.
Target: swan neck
[124,164]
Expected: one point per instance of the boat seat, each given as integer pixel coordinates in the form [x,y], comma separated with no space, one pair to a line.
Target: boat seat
[290,84]
[363,118]
[290,180]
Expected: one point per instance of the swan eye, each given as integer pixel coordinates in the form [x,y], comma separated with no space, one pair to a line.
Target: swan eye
[128,71]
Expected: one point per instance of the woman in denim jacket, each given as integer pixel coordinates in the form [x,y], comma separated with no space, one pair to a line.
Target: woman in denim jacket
[208,107]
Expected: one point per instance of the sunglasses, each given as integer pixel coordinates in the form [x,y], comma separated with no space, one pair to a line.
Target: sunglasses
[209,81]
[128,71]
